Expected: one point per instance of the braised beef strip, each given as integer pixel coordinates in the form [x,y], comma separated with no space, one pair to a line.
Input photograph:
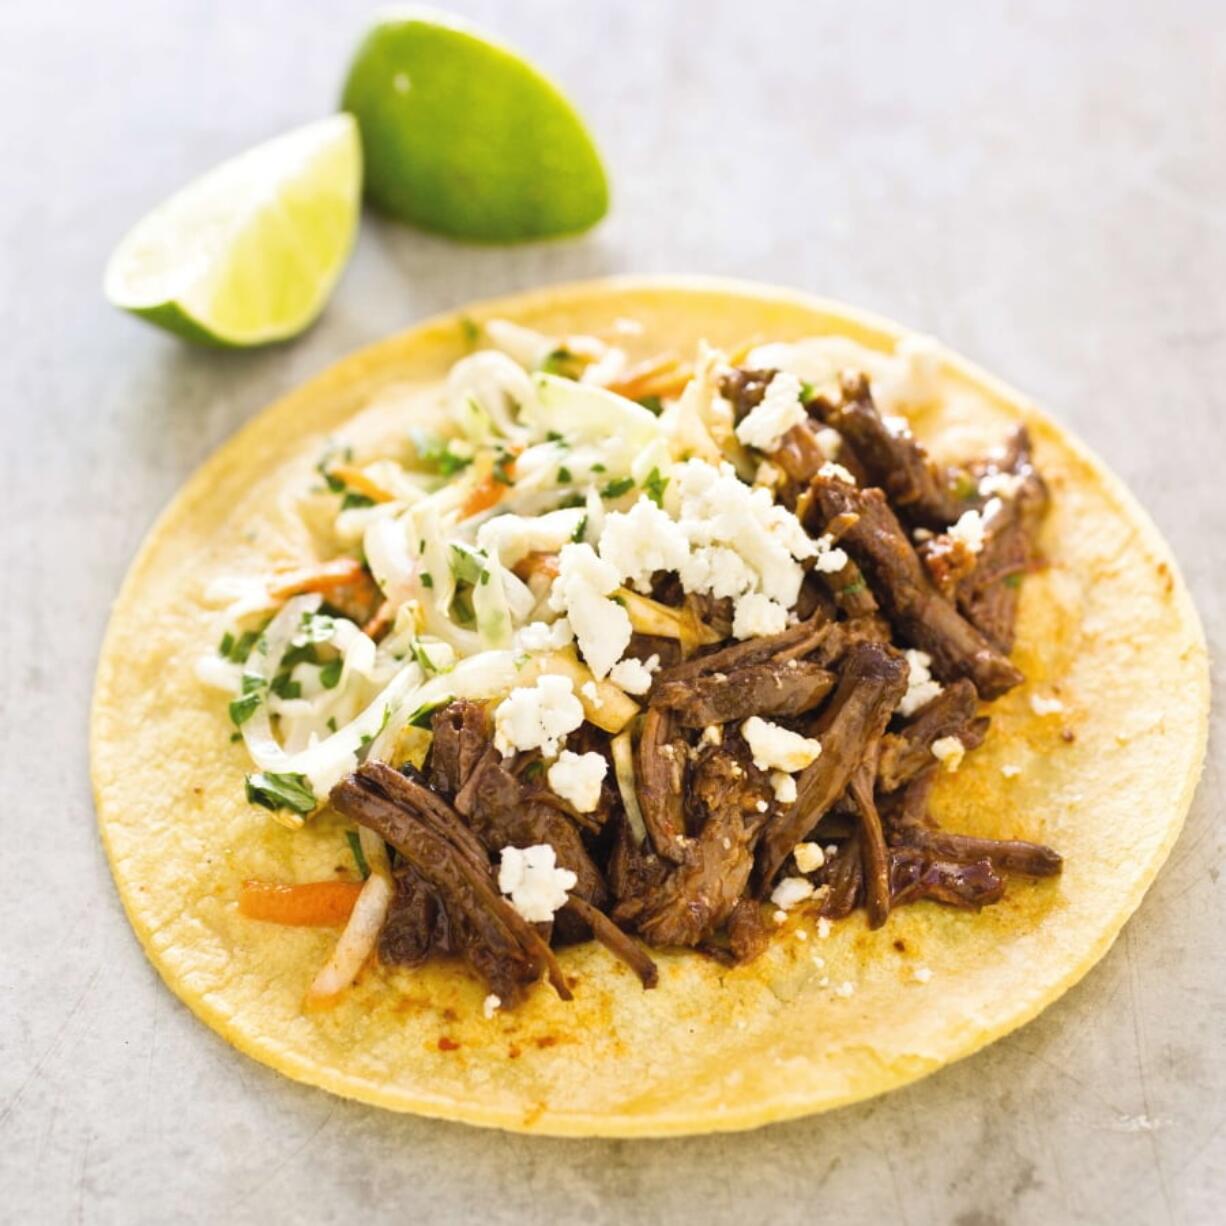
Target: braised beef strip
[898,579]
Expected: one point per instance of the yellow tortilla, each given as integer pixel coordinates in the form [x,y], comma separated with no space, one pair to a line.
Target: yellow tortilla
[1109,629]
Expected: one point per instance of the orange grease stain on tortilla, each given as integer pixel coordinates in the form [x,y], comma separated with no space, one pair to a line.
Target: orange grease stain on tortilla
[446,1043]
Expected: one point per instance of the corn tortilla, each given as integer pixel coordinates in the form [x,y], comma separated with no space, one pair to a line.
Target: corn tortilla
[1108,628]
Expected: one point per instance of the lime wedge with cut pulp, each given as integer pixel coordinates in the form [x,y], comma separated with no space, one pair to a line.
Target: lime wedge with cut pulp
[462,135]
[248,253]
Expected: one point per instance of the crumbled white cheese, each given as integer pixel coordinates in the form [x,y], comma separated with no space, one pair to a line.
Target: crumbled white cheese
[920,535]
[845,989]
[922,974]
[641,541]
[791,891]
[829,442]
[491,1005]
[836,472]
[780,917]
[634,676]
[712,734]
[785,787]
[714,507]
[777,748]
[718,570]
[545,636]
[537,716]
[829,560]
[576,777]
[823,928]
[921,688]
[824,981]
[1006,485]
[757,615]
[778,411]
[1010,771]
[761,806]
[601,626]
[808,856]
[819,961]
[899,427]
[1045,706]
[531,879]
[971,528]
[949,751]
[768,474]
[589,691]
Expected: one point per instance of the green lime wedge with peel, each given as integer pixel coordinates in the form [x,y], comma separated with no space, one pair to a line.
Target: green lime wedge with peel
[248,253]
[462,135]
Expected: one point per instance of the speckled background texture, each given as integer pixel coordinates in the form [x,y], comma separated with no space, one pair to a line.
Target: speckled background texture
[1042,185]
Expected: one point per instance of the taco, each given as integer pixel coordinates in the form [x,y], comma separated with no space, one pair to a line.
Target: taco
[642,707]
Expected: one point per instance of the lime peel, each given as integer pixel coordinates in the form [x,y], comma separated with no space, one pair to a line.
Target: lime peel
[248,253]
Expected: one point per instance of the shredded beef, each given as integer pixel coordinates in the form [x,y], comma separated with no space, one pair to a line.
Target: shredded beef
[921,615]
[873,681]
[789,688]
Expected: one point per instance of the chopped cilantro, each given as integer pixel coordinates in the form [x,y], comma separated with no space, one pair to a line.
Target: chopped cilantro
[330,673]
[1013,581]
[577,535]
[499,471]
[807,392]
[653,404]
[436,452]
[424,715]
[274,791]
[598,468]
[331,724]
[617,487]
[314,628]
[552,436]
[560,362]
[571,500]
[284,686]
[655,485]
[564,476]
[966,487]
[471,333]
[852,588]
[427,579]
[359,856]
[237,650]
[353,499]
[533,770]
[242,709]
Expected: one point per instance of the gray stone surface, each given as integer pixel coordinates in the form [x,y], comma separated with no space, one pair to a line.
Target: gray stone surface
[1041,184]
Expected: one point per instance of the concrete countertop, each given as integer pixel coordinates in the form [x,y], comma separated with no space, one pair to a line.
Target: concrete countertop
[1043,186]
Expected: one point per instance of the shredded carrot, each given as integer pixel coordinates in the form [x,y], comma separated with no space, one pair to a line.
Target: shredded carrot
[488,492]
[738,353]
[356,479]
[311,904]
[632,383]
[322,577]
[536,563]
[379,623]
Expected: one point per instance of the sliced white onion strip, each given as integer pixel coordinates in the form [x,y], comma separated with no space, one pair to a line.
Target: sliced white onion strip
[623,768]
[365,923]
